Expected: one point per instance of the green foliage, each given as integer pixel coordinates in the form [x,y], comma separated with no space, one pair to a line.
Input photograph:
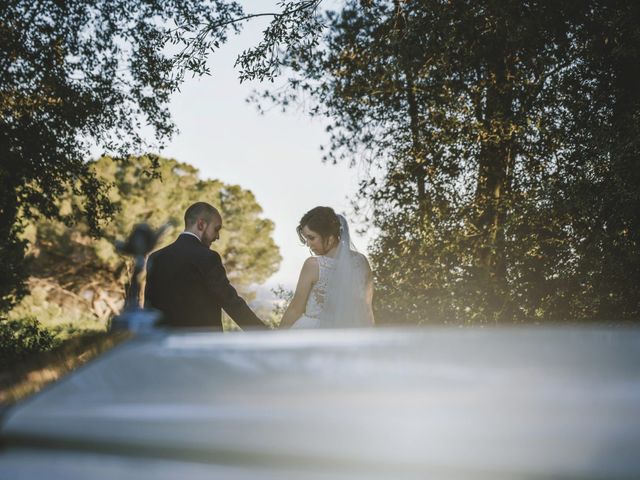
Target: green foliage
[81,73]
[57,309]
[296,27]
[23,337]
[79,281]
[502,141]
[283,299]
[77,73]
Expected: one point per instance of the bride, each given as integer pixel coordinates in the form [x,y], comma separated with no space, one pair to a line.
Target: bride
[335,288]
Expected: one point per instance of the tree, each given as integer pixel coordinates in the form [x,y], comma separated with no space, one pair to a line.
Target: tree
[474,117]
[86,275]
[597,188]
[94,72]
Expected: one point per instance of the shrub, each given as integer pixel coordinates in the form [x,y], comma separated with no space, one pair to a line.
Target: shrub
[22,337]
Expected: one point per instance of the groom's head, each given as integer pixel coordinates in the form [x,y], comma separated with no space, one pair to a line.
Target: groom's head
[205,221]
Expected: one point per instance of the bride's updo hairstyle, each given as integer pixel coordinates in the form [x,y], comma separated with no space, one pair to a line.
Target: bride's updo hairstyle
[323,221]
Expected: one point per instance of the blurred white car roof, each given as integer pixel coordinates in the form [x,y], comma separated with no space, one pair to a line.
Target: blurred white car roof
[378,403]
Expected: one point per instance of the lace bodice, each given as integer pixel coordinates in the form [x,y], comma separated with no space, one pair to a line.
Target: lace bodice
[315,302]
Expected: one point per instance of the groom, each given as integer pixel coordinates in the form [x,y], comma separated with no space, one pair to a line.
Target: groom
[187,282]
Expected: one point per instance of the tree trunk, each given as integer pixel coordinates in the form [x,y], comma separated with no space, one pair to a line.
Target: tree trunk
[418,155]
[494,172]
[417,167]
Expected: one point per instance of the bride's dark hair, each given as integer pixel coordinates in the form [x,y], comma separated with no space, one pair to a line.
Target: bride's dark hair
[322,220]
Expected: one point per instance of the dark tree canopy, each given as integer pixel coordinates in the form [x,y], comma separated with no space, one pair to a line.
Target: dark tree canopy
[503,137]
[503,141]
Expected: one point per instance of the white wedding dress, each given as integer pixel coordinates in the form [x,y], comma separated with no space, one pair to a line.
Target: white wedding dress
[340,297]
[317,295]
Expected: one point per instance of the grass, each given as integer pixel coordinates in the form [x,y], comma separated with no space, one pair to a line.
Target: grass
[18,381]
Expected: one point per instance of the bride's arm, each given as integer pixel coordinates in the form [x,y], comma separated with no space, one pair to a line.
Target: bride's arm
[308,276]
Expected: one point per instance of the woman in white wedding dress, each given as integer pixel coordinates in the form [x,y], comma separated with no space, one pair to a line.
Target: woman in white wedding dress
[335,288]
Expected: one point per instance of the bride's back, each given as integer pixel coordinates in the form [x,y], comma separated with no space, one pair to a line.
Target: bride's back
[353,293]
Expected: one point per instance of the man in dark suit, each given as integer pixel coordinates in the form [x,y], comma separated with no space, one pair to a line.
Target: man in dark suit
[187,282]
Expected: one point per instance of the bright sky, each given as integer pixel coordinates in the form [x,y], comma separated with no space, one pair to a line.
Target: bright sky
[277,156]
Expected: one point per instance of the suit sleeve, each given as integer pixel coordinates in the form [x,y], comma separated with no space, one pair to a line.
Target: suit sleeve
[232,303]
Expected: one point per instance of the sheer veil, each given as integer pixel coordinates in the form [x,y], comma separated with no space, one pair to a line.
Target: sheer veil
[347,301]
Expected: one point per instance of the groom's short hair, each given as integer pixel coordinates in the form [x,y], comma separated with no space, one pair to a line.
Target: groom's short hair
[200,210]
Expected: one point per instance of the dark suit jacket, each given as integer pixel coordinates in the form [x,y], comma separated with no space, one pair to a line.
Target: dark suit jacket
[188,284]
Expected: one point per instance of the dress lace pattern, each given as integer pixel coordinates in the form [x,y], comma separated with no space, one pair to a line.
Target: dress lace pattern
[315,302]
[342,295]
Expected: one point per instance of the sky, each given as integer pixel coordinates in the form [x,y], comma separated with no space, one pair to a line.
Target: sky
[277,155]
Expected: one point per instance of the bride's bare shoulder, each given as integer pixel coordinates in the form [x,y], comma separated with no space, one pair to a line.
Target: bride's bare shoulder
[310,269]
[311,262]
[310,265]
